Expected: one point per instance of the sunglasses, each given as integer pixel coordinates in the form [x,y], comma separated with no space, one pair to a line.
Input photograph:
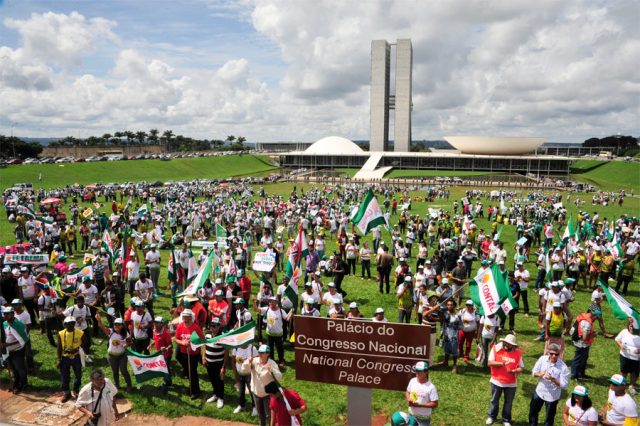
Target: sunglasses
[553,354]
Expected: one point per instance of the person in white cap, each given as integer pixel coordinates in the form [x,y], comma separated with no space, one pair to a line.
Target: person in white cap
[470,329]
[506,362]
[309,309]
[70,341]
[620,409]
[404,294]
[354,312]
[337,311]
[214,358]
[553,377]
[240,355]
[554,326]
[187,357]
[140,328]
[378,316]
[14,342]
[152,260]
[522,276]
[263,371]
[579,410]
[422,395]
[119,340]
[330,296]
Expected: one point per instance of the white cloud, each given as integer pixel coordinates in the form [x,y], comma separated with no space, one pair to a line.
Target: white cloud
[564,69]
[60,39]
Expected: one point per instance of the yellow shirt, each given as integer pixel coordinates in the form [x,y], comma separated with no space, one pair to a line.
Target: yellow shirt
[71,341]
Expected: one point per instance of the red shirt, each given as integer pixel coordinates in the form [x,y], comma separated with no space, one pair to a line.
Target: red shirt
[280,409]
[219,309]
[127,315]
[245,285]
[163,340]
[184,333]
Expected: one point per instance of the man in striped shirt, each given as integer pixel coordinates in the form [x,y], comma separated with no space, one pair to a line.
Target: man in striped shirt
[214,358]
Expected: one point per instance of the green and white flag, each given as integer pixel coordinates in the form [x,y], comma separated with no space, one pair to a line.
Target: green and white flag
[197,282]
[142,210]
[172,267]
[569,231]
[107,244]
[620,307]
[369,215]
[77,275]
[221,233]
[233,339]
[489,290]
[616,249]
[147,367]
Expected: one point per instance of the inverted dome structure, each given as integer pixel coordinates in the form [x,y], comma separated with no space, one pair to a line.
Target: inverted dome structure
[494,145]
[334,145]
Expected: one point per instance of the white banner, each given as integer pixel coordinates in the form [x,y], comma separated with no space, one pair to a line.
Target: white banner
[264,262]
[26,259]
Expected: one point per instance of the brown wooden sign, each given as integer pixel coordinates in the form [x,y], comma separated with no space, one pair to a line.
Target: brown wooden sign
[359,353]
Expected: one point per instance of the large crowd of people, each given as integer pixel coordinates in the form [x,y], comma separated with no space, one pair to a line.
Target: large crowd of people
[424,262]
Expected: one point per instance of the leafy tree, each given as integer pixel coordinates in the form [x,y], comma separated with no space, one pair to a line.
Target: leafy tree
[12,146]
[230,139]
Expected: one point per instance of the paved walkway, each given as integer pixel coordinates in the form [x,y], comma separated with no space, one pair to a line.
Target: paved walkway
[46,409]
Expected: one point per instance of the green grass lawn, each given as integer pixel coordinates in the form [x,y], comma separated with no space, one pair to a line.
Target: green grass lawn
[611,176]
[56,175]
[464,398]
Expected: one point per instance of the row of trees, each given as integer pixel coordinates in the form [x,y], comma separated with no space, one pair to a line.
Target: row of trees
[619,144]
[14,147]
[172,141]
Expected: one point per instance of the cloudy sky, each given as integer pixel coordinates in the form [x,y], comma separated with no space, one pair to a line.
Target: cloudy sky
[299,70]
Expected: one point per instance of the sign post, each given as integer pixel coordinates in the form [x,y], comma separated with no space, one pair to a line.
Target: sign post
[359,354]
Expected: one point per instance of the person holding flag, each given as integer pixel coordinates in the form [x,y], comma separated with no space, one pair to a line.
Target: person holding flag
[263,371]
[285,405]
[14,341]
[186,355]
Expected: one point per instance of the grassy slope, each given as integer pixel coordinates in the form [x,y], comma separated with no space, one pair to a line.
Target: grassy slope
[464,397]
[611,176]
[54,175]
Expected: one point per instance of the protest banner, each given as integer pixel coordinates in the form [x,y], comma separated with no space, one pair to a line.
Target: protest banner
[26,259]
[264,262]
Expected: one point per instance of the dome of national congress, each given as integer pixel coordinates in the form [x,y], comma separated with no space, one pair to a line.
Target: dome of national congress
[334,145]
[494,145]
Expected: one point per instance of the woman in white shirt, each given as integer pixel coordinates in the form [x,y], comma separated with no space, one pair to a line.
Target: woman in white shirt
[629,345]
[578,410]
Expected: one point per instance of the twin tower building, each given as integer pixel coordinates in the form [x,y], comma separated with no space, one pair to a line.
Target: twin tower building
[382,101]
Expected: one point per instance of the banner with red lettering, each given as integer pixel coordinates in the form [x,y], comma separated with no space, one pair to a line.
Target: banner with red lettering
[147,367]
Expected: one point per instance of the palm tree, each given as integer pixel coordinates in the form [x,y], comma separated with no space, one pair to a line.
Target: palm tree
[141,136]
[230,139]
[106,138]
[130,135]
[241,140]
[153,136]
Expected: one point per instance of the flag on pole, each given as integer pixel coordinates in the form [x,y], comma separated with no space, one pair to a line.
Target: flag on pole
[107,243]
[620,307]
[233,339]
[614,246]
[301,245]
[76,275]
[147,367]
[369,215]
[192,269]
[172,267]
[200,278]
[142,211]
[503,208]
[498,234]
[569,231]
[489,290]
